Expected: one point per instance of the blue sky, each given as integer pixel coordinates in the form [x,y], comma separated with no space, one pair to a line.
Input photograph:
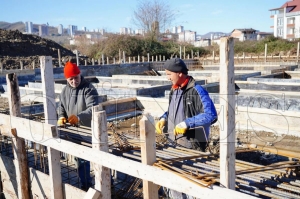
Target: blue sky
[202,16]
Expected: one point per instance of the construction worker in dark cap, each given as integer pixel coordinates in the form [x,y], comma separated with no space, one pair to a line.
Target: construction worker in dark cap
[190,112]
[76,101]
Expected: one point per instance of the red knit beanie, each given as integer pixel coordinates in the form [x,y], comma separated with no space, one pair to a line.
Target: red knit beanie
[71,70]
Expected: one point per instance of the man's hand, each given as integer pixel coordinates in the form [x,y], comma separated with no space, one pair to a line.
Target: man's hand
[180,128]
[61,121]
[159,125]
[73,119]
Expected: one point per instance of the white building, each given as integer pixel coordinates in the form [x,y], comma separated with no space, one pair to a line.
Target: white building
[60,29]
[174,30]
[286,20]
[123,31]
[187,36]
[84,29]
[28,27]
[43,30]
[72,29]
[180,29]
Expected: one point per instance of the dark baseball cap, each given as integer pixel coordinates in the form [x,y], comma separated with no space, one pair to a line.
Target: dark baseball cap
[175,65]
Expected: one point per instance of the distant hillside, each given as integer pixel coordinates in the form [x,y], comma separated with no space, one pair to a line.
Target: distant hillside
[208,35]
[20,26]
[12,26]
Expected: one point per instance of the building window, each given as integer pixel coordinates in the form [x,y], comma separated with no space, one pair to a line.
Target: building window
[280,32]
[280,21]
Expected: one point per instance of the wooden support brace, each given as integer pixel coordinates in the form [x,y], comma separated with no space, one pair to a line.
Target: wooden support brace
[148,153]
[227,115]
[51,118]
[22,174]
[100,142]
[92,194]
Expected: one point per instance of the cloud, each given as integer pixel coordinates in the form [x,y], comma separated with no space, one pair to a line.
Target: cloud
[217,12]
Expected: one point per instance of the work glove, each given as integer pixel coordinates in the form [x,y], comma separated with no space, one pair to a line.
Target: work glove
[61,121]
[160,125]
[73,119]
[180,128]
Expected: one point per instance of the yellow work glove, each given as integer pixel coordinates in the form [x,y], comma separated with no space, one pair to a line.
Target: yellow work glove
[73,119]
[61,121]
[160,125]
[180,128]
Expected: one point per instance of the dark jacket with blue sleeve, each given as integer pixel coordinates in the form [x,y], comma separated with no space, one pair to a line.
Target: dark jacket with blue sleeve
[199,112]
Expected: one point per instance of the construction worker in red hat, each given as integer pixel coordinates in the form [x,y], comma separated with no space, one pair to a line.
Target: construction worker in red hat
[76,101]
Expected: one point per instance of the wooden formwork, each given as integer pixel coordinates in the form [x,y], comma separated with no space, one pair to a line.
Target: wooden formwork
[47,134]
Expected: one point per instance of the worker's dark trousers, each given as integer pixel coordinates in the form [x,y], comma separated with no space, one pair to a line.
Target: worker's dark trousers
[83,167]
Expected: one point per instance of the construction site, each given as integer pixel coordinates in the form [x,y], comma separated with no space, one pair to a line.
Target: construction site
[252,153]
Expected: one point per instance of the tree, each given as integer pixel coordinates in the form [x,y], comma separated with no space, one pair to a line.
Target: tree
[153,16]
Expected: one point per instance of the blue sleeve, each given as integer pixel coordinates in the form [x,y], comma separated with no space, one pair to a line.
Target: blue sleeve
[209,111]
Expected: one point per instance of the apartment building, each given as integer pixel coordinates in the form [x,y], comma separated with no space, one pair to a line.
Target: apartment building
[286,20]
[29,27]
[244,34]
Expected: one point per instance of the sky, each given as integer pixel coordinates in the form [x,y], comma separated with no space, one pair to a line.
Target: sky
[202,16]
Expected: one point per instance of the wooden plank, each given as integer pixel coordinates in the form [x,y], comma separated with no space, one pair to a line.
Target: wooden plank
[136,169]
[100,142]
[72,192]
[8,177]
[93,194]
[227,114]
[18,143]
[51,118]
[33,128]
[148,153]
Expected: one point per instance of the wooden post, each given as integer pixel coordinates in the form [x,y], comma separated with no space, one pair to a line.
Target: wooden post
[213,56]
[124,58]
[164,58]
[159,57]
[1,66]
[21,65]
[138,58]
[133,59]
[77,58]
[107,60]
[114,60]
[297,60]
[51,118]
[266,50]
[119,56]
[33,65]
[85,62]
[243,56]
[148,57]
[192,54]
[156,58]
[148,153]
[102,60]
[59,57]
[188,56]
[227,115]
[183,52]
[129,59]
[93,61]
[180,52]
[100,142]
[22,174]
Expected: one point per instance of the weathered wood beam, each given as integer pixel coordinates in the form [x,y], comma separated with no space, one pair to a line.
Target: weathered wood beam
[93,194]
[148,153]
[227,113]
[22,174]
[100,142]
[51,118]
